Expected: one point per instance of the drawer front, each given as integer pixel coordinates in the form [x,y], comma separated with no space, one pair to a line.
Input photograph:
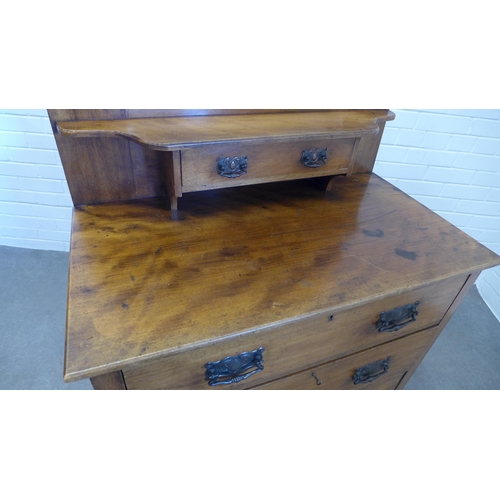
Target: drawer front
[297,345]
[264,163]
[380,368]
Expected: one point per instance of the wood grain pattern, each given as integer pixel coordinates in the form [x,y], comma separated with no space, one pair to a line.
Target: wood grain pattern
[143,286]
[366,152]
[177,133]
[402,354]
[109,382]
[173,177]
[301,268]
[102,169]
[147,174]
[325,336]
[266,163]
[169,113]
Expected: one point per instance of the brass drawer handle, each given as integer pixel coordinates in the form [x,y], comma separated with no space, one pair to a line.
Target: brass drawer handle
[232,166]
[390,321]
[232,369]
[314,158]
[371,372]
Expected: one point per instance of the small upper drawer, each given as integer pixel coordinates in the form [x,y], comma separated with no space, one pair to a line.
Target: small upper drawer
[213,167]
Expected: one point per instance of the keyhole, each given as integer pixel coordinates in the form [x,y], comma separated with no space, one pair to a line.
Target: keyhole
[318,381]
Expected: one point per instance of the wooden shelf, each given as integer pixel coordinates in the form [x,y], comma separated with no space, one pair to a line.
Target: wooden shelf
[178,133]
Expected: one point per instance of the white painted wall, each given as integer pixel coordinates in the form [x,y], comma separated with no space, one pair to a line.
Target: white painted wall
[35,205]
[449,160]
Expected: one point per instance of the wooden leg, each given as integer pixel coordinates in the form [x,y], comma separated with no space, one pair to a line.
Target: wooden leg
[173,186]
[173,203]
[109,381]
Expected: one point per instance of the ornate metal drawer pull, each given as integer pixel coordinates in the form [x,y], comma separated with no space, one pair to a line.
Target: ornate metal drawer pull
[390,321]
[234,368]
[232,166]
[371,372]
[314,158]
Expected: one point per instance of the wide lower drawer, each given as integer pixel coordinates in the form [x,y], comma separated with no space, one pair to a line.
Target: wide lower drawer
[383,367]
[294,346]
[213,167]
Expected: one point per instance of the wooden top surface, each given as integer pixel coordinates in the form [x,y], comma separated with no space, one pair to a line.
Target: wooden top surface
[142,285]
[177,133]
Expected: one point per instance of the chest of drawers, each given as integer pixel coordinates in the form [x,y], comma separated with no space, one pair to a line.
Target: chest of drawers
[286,264]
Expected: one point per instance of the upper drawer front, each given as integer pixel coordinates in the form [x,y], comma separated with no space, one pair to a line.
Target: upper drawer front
[264,163]
[301,344]
[380,368]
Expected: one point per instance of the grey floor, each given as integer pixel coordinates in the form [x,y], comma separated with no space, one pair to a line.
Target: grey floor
[33,314]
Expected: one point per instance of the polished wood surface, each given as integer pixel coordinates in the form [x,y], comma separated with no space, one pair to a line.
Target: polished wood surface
[303,269]
[366,152]
[144,286]
[177,133]
[338,375]
[104,169]
[266,163]
[325,336]
[112,381]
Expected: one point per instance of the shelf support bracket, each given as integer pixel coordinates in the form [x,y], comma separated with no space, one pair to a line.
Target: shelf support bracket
[173,181]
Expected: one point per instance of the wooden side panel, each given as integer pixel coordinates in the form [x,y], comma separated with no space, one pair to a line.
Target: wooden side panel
[109,381]
[367,152]
[101,169]
[451,311]
[148,179]
[106,169]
